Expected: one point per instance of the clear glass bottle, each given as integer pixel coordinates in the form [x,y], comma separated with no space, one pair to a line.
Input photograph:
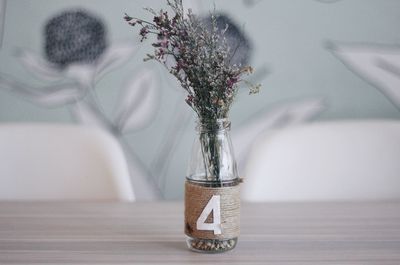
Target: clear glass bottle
[212,173]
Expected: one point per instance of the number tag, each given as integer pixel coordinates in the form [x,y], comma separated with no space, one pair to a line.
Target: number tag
[214,206]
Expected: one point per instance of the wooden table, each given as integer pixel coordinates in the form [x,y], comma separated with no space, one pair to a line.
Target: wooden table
[151,233]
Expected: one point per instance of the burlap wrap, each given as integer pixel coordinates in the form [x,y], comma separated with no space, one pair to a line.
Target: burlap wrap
[197,197]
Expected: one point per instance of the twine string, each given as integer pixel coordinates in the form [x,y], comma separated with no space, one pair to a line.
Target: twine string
[196,198]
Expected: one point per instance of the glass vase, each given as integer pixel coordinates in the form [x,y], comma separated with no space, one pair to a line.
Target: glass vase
[212,198]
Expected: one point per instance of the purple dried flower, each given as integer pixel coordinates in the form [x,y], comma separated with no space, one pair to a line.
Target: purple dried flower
[231,81]
[202,59]
[143,32]
[189,100]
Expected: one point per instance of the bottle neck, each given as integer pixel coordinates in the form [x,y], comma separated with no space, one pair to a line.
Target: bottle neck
[213,159]
[213,126]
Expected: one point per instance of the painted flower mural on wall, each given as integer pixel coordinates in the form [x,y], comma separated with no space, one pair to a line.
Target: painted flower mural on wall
[77,56]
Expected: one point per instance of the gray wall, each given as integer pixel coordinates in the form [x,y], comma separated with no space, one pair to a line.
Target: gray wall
[292,42]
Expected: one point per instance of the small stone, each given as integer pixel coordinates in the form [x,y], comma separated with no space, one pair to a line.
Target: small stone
[212,245]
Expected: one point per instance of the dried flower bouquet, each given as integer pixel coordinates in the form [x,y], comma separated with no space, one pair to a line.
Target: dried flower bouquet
[199,57]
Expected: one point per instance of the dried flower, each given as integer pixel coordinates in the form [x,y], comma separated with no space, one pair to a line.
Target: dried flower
[201,59]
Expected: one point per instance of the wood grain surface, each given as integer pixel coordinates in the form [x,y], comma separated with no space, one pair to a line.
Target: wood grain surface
[152,233]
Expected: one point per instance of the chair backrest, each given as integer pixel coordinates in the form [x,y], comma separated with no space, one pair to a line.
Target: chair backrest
[61,162]
[326,161]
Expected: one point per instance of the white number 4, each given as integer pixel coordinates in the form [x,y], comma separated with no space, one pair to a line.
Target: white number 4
[214,206]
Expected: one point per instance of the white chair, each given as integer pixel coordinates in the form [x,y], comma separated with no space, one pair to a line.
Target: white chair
[353,160]
[61,162]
